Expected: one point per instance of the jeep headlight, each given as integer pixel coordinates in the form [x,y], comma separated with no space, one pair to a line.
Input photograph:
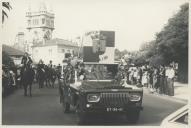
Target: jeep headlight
[93,97]
[135,97]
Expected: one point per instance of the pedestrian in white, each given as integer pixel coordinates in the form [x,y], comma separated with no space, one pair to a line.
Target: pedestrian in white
[170,73]
[145,79]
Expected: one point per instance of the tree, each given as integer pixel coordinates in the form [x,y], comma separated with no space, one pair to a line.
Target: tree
[5,6]
[172,42]
[6,59]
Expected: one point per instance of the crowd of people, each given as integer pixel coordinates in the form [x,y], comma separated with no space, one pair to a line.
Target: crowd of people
[156,79]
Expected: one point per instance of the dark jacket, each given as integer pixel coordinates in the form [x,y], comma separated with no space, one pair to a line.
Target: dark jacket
[26,61]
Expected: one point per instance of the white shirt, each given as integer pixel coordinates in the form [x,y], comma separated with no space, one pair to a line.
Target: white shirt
[170,73]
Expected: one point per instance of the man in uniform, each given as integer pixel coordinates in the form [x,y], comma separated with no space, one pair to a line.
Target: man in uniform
[69,72]
[50,64]
[26,60]
[26,64]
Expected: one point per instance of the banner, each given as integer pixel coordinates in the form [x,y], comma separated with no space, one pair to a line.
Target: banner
[101,49]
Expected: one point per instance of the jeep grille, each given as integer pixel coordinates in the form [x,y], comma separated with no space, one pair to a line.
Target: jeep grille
[114,99]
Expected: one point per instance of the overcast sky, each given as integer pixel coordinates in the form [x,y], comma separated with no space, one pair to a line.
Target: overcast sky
[134,21]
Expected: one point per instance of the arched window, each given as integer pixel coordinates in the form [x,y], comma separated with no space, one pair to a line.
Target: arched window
[43,21]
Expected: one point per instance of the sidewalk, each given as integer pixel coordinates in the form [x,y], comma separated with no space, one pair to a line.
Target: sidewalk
[181,92]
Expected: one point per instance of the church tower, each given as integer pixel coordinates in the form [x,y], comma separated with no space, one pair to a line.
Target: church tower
[40,25]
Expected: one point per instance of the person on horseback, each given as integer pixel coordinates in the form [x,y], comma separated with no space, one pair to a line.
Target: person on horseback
[27,73]
[26,61]
[50,64]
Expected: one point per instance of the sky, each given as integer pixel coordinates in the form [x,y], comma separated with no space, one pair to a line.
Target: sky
[134,21]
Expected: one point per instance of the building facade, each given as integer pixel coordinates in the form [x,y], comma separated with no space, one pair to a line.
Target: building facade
[15,54]
[20,42]
[40,25]
[54,50]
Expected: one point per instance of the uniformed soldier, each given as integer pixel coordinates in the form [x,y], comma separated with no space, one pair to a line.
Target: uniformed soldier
[81,72]
[69,72]
[25,62]
[50,64]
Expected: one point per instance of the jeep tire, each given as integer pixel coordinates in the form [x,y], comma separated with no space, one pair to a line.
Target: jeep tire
[65,105]
[81,115]
[133,116]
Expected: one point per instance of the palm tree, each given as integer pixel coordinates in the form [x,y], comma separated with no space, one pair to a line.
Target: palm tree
[5,6]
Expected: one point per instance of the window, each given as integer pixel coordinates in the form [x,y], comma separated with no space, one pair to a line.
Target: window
[52,23]
[68,50]
[47,22]
[43,21]
[100,72]
[35,21]
[29,22]
[183,119]
[50,51]
[61,50]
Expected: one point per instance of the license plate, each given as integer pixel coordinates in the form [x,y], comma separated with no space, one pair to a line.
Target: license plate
[114,109]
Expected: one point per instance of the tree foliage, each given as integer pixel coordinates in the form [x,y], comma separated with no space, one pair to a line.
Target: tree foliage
[5,6]
[6,59]
[171,44]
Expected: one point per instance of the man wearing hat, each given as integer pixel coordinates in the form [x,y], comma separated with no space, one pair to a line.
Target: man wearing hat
[50,64]
[26,63]
[26,60]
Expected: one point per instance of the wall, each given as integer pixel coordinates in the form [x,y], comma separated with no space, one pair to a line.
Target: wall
[46,53]
[57,55]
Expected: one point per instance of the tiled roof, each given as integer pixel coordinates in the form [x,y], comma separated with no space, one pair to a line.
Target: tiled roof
[12,51]
[57,41]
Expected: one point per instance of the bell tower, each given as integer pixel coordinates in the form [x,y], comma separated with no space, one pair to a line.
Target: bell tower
[40,24]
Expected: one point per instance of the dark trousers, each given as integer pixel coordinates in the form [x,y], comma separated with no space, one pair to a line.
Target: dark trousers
[165,86]
[162,85]
[170,87]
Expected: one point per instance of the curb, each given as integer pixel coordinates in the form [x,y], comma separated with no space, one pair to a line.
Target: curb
[166,96]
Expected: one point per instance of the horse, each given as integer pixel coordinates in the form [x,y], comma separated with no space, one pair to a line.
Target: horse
[51,76]
[27,79]
[41,75]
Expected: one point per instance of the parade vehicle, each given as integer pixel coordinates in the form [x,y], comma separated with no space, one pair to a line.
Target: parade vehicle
[94,88]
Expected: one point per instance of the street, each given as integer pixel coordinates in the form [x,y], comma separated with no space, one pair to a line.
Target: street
[44,108]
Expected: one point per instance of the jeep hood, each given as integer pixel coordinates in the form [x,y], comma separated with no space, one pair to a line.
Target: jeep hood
[105,84]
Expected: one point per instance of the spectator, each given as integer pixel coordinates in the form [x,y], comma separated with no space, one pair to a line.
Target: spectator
[139,75]
[150,78]
[170,73]
[145,78]
[162,84]
[59,67]
[156,79]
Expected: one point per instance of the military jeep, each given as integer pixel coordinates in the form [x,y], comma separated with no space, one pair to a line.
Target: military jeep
[97,90]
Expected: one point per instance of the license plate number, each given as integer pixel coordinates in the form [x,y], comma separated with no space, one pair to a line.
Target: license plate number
[114,109]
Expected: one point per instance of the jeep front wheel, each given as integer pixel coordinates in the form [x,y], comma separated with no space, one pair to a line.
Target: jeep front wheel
[133,116]
[65,105]
[81,115]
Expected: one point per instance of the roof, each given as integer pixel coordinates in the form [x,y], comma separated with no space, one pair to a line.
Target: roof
[57,41]
[12,51]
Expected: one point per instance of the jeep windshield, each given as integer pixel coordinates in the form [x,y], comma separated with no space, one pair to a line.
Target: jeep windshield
[100,71]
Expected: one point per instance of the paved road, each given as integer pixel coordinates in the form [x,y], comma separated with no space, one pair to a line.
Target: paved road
[44,109]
